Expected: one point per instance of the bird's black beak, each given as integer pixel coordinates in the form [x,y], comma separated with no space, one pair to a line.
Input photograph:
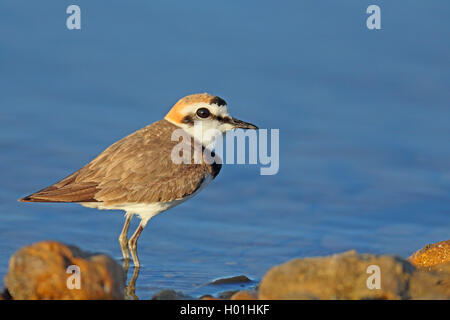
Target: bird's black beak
[239,124]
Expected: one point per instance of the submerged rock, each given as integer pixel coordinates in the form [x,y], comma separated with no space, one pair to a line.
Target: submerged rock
[169,294]
[52,270]
[208,297]
[431,255]
[232,280]
[350,275]
[226,295]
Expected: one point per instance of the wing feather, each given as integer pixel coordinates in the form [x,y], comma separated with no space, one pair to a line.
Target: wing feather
[137,168]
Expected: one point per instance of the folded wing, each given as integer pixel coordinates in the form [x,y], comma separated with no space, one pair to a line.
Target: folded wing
[137,168]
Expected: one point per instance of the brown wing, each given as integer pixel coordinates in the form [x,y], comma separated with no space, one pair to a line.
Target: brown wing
[65,191]
[137,168]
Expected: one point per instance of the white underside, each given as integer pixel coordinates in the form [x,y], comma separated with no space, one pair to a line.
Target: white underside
[145,211]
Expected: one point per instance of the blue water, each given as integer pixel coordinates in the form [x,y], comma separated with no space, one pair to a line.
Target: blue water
[363,118]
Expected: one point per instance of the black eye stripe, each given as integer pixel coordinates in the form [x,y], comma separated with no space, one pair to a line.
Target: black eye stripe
[188,120]
[224,119]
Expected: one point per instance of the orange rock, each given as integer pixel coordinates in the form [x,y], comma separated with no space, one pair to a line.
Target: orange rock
[244,295]
[345,276]
[45,270]
[209,297]
[431,255]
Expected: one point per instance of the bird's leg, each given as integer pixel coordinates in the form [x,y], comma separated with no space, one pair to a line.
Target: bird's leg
[132,243]
[123,238]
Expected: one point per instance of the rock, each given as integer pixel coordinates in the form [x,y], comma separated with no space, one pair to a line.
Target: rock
[169,294]
[433,285]
[47,270]
[209,297]
[226,295]
[232,280]
[344,276]
[4,295]
[431,255]
[244,295]
[443,267]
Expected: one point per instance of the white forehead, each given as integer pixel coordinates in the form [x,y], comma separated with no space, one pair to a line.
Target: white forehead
[213,108]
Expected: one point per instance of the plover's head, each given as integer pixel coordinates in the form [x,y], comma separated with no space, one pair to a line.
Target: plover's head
[209,111]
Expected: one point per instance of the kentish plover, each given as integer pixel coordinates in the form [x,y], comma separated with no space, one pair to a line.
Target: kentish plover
[137,174]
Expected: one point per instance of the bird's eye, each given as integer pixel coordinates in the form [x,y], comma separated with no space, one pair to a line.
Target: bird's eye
[203,113]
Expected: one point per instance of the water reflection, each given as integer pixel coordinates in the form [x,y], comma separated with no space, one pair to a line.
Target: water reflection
[130,287]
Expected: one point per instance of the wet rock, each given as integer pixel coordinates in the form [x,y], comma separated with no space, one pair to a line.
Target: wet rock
[4,295]
[431,255]
[432,285]
[48,270]
[244,295]
[443,267]
[345,276]
[232,280]
[226,295]
[169,294]
[209,297]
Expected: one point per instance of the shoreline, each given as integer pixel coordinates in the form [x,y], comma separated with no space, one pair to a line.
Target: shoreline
[41,271]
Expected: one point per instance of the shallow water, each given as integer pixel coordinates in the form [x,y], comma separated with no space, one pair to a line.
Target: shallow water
[363,118]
